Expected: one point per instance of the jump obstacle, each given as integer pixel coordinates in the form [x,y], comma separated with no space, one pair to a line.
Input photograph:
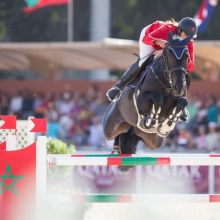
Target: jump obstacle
[43,161]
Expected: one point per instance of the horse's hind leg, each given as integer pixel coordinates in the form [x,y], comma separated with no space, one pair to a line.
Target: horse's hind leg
[116,148]
[127,143]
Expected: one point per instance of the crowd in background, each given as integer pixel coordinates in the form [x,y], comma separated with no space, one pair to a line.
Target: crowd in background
[76,118]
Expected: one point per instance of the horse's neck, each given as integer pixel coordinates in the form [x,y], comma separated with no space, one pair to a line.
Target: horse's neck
[156,70]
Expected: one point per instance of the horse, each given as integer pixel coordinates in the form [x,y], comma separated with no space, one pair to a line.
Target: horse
[149,110]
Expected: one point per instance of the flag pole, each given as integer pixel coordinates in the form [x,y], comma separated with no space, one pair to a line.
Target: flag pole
[70,21]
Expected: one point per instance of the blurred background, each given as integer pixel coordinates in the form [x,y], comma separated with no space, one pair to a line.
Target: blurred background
[59,57]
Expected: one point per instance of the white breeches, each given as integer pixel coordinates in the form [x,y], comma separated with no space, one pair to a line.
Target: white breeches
[145,50]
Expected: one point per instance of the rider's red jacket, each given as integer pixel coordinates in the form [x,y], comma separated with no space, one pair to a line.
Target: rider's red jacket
[160,30]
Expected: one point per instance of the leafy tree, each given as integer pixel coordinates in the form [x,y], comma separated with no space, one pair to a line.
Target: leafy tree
[128,17]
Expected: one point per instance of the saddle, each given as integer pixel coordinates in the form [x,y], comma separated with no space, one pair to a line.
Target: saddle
[140,75]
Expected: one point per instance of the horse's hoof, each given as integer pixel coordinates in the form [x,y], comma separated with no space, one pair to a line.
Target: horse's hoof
[116,150]
[185,116]
[125,168]
[162,132]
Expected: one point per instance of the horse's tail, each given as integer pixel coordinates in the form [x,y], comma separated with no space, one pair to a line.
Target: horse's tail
[128,142]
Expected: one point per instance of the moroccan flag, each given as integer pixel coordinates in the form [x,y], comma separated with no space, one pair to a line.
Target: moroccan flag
[33,5]
[18,183]
[9,121]
[40,125]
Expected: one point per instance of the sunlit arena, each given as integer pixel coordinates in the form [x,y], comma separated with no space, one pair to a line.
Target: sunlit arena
[109,109]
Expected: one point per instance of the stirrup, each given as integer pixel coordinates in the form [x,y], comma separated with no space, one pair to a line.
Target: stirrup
[117,96]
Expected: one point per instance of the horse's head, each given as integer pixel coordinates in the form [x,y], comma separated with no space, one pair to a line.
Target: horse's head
[175,59]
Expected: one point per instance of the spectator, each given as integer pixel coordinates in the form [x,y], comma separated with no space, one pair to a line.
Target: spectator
[99,105]
[184,138]
[16,103]
[27,105]
[193,106]
[96,135]
[212,110]
[66,104]
[4,103]
[65,123]
[53,127]
[213,139]
[40,105]
[201,138]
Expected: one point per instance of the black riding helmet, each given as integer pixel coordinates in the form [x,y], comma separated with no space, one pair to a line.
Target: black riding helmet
[188,26]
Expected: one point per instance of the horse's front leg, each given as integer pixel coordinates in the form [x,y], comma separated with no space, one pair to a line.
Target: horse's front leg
[168,124]
[151,120]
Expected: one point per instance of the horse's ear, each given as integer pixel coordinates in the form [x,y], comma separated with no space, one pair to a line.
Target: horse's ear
[170,37]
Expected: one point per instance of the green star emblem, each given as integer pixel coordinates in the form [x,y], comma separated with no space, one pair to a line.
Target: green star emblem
[8,181]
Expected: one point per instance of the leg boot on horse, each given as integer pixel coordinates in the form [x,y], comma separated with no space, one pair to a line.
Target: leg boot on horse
[116,148]
[168,124]
[151,120]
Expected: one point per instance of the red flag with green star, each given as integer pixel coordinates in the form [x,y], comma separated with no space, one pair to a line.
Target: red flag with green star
[33,5]
[18,183]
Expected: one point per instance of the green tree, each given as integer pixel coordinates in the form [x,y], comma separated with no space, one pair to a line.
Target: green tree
[130,16]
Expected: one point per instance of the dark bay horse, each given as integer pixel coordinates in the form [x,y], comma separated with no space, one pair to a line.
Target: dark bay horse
[150,109]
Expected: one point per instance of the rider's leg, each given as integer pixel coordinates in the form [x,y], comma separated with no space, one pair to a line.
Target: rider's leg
[133,70]
[127,77]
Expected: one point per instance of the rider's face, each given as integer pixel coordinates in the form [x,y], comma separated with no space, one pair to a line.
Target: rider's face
[183,35]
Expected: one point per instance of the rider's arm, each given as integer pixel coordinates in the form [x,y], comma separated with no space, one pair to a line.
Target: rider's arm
[159,33]
[191,64]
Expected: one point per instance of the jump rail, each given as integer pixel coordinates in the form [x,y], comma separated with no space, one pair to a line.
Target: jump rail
[127,198]
[134,160]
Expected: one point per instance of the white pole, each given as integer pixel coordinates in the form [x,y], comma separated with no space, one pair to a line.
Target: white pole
[70,21]
[211,179]
[100,29]
[41,173]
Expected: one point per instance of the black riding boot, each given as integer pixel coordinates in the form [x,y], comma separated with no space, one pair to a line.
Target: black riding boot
[128,76]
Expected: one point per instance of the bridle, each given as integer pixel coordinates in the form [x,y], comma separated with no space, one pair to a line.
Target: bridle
[169,86]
